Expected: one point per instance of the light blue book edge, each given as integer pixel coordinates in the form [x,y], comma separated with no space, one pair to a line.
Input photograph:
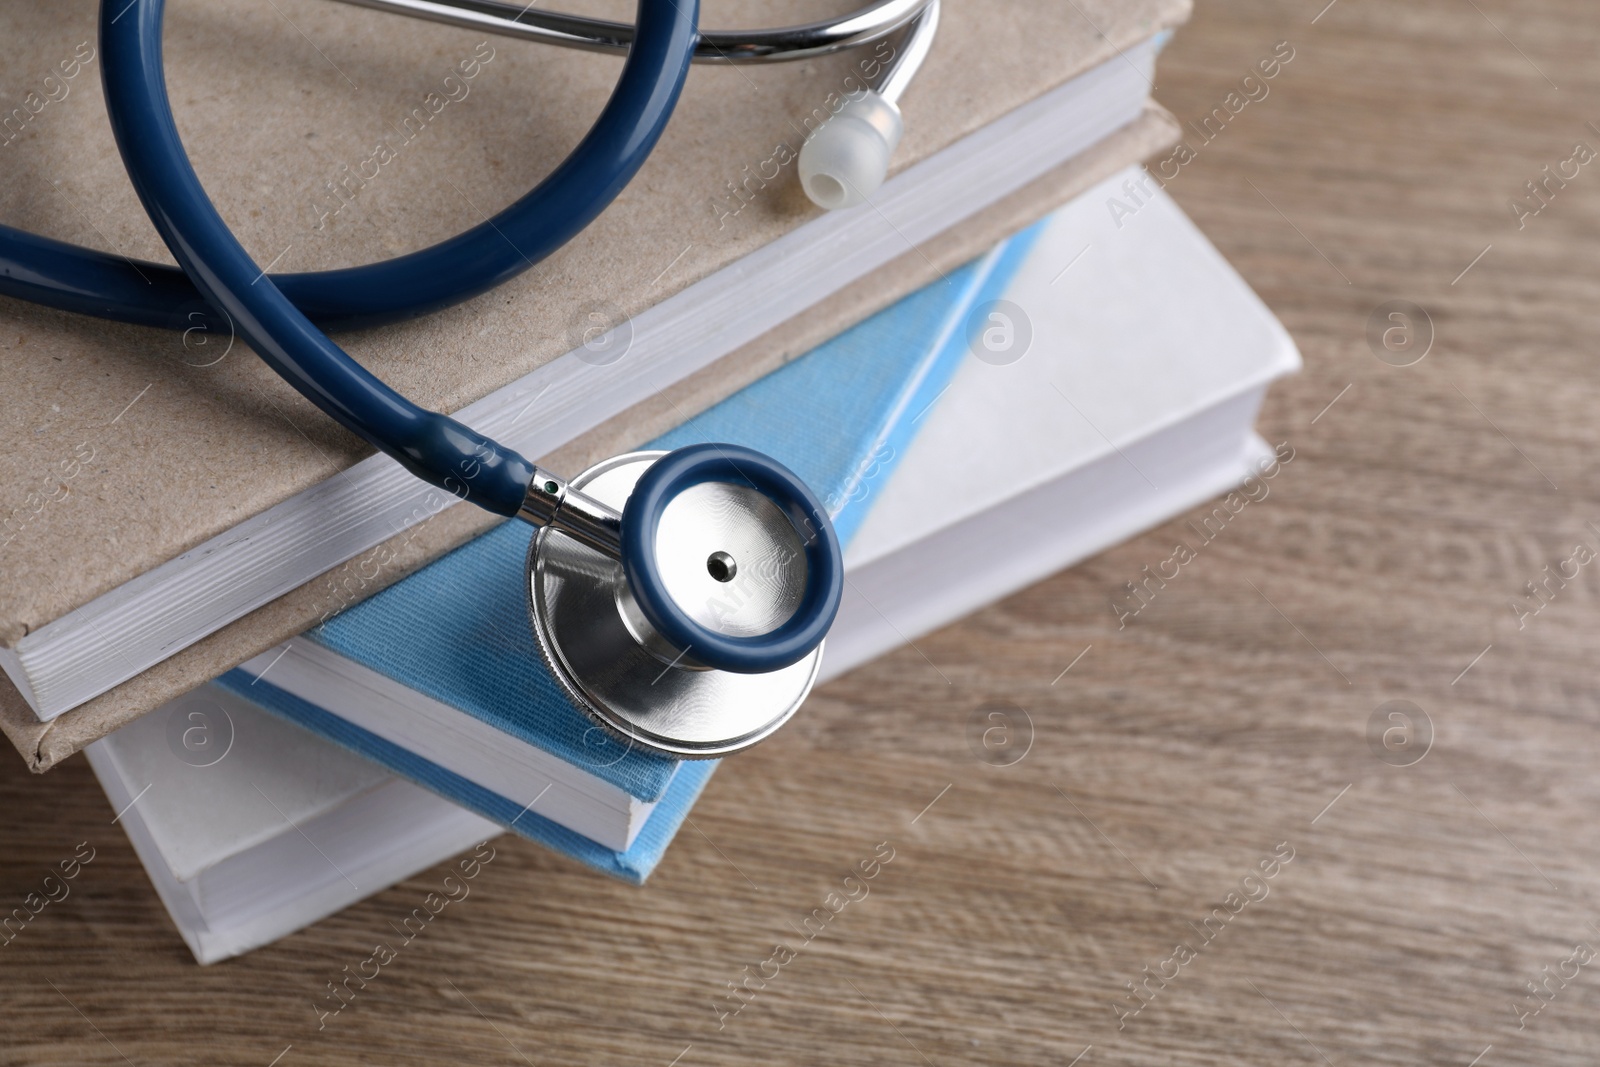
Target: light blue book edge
[840,417]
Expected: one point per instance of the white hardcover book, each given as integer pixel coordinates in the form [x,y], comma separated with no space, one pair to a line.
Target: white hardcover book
[1147,358]
[1118,388]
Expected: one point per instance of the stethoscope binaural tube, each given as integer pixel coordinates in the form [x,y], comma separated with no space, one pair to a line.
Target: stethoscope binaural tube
[87,281]
[435,447]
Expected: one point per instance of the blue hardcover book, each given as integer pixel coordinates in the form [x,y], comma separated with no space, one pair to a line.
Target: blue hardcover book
[443,666]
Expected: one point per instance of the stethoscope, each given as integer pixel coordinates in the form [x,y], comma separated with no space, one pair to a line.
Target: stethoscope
[680,598]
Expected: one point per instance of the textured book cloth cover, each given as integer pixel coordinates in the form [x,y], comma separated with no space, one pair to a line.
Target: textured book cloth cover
[457,630]
[169,443]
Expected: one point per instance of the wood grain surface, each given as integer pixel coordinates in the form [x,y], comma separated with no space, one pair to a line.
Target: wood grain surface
[1236,719]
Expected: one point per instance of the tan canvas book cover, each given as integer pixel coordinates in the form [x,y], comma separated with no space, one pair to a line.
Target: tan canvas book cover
[128,447]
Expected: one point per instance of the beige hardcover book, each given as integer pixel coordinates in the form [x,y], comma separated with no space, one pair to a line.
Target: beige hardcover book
[169,508]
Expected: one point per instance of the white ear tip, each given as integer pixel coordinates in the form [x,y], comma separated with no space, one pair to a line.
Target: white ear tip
[844,163]
[847,158]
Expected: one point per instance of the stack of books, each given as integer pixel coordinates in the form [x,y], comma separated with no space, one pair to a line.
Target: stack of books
[418,722]
[339,689]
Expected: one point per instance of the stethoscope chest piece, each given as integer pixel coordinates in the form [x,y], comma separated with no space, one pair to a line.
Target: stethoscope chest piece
[730,560]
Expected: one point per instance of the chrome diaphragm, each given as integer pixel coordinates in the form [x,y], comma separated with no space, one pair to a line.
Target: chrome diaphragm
[730,559]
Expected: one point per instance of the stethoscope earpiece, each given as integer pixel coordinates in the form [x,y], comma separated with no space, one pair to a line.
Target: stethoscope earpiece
[706,635]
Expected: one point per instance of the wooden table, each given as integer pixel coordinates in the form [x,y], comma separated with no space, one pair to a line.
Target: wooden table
[1235,720]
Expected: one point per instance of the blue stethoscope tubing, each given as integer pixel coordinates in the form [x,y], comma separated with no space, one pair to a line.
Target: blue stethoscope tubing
[86,281]
[432,446]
